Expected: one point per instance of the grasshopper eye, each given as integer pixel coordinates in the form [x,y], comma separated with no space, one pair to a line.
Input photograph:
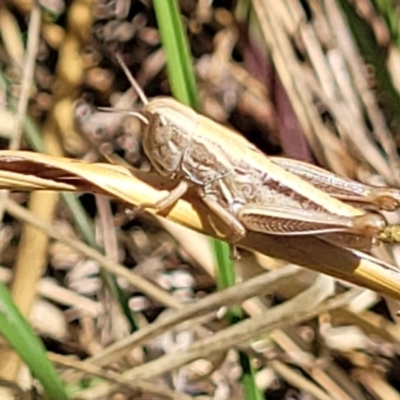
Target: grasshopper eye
[162,133]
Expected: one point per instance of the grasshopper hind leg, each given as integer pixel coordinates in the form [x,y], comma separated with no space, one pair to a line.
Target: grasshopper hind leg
[274,220]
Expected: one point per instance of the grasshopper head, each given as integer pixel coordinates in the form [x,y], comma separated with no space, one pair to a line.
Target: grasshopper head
[167,135]
[168,128]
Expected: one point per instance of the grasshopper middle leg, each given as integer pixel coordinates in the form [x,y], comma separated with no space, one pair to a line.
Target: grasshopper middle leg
[236,230]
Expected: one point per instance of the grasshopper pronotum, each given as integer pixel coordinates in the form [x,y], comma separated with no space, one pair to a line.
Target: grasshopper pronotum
[245,189]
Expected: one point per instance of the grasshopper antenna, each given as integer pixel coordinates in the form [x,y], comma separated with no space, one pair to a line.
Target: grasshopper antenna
[136,114]
[132,80]
[138,90]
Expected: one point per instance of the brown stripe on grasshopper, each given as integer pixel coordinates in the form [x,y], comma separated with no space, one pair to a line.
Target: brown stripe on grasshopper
[387,199]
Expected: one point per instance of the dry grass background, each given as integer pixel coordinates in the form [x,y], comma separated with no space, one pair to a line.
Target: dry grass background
[308,94]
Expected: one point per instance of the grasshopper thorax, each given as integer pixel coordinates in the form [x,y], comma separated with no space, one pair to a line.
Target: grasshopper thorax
[168,133]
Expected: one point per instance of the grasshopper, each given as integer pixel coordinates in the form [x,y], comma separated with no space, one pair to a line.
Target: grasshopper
[247,190]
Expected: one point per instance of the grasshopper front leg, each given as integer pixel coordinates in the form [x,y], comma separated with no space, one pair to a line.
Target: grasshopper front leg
[387,199]
[169,200]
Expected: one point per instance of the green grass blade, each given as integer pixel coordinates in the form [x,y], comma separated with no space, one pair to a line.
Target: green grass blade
[225,276]
[20,336]
[248,378]
[184,88]
[176,47]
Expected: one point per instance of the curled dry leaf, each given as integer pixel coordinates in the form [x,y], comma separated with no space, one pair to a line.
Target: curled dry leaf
[32,171]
